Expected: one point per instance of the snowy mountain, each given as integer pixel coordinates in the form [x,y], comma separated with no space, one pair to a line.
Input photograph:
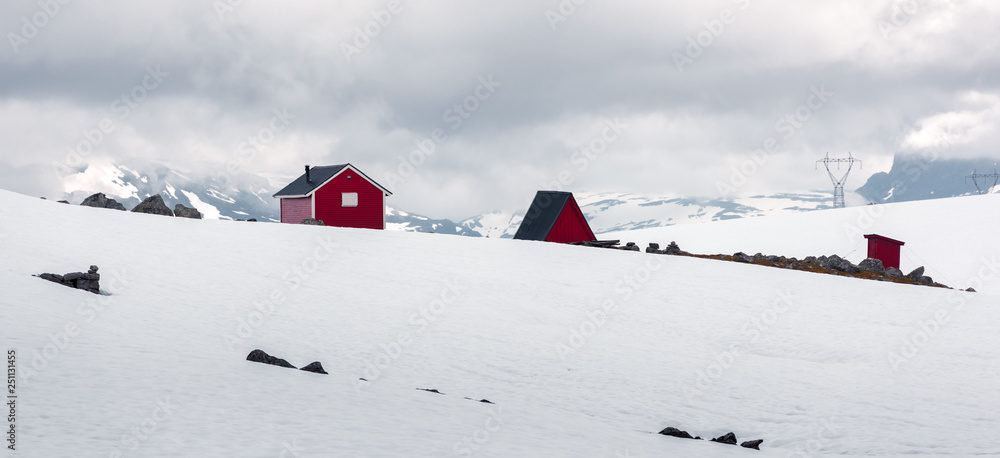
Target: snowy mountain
[581,352]
[240,195]
[920,177]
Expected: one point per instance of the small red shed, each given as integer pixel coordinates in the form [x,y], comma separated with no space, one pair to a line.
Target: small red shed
[338,195]
[884,249]
[554,216]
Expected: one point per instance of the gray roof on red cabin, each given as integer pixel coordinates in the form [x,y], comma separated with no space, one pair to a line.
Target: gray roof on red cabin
[318,176]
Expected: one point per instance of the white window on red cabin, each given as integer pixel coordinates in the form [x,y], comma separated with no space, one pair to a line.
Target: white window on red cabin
[349,199]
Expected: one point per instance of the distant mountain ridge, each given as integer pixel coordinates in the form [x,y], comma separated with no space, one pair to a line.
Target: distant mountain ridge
[918,177]
[242,195]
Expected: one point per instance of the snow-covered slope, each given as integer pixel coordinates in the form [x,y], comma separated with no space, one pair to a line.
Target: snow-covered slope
[586,352]
[954,239]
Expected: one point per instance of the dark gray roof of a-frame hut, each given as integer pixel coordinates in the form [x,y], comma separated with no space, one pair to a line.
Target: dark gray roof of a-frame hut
[542,215]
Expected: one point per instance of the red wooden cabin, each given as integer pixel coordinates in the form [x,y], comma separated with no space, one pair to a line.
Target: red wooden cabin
[338,195]
[884,249]
[554,216]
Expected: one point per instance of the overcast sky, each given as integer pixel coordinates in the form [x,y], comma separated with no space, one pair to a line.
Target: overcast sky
[505,97]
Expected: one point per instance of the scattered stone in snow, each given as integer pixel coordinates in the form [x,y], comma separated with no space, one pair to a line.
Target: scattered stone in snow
[63,201]
[313,222]
[752,444]
[970,290]
[728,438]
[893,272]
[916,274]
[653,248]
[181,211]
[99,200]
[153,205]
[252,220]
[89,281]
[316,367]
[674,432]
[259,356]
[432,390]
[872,265]
[674,249]
[484,401]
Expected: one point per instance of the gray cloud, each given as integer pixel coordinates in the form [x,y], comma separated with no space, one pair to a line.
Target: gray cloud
[901,75]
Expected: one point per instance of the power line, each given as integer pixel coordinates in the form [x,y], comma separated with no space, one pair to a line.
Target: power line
[838,184]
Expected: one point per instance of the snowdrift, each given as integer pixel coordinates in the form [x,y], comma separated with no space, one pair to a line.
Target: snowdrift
[583,351]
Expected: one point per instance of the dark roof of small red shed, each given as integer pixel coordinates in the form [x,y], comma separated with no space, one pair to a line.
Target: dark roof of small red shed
[882,237]
[542,215]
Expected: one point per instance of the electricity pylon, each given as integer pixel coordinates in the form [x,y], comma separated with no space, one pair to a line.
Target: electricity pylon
[838,184]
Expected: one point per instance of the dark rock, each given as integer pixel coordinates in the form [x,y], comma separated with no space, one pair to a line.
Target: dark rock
[655,246]
[153,205]
[99,200]
[872,265]
[698,438]
[312,222]
[810,259]
[926,280]
[432,390]
[752,444]
[259,356]
[63,201]
[674,249]
[893,272]
[757,257]
[315,366]
[485,401]
[916,274]
[728,438]
[674,432]
[970,290]
[773,259]
[741,257]
[840,264]
[252,220]
[89,281]
[181,211]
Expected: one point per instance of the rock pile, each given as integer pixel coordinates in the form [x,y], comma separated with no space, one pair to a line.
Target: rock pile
[260,356]
[728,438]
[99,200]
[89,281]
[671,249]
[313,222]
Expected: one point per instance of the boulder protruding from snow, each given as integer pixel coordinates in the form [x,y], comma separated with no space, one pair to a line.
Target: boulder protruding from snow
[872,265]
[752,444]
[153,205]
[916,274]
[674,432]
[90,281]
[893,272]
[313,222]
[742,257]
[260,356]
[314,366]
[181,211]
[728,438]
[99,200]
